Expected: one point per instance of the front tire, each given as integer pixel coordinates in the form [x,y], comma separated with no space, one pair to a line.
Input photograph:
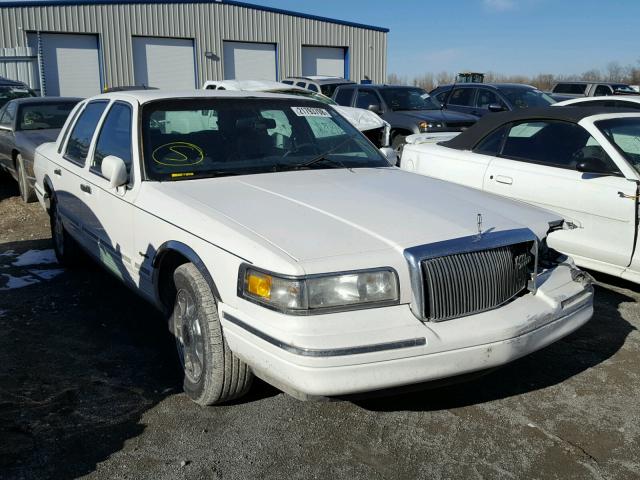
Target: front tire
[27,192]
[212,372]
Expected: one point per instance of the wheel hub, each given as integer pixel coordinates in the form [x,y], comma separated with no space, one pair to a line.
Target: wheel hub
[189,338]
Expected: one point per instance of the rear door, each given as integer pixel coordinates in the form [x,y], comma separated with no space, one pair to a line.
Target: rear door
[462,99]
[537,165]
[68,174]
[7,121]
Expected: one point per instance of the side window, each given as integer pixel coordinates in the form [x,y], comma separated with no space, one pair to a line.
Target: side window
[488,97]
[602,90]
[462,97]
[2,110]
[312,87]
[344,96]
[83,130]
[301,84]
[490,145]
[366,98]
[115,137]
[288,82]
[442,96]
[9,115]
[554,144]
[76,111]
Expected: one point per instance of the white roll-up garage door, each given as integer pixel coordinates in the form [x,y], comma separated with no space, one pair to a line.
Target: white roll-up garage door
[323,61]
[249,61]
[164,62]
[71,63]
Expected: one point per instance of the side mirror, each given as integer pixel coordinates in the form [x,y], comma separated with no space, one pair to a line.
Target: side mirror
[114,170]
[374,109]
[390,154]
[496,107]
[593,165]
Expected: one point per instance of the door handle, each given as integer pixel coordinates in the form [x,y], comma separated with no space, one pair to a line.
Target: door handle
[503,179]
[57,172]
[85,188]
[630,197]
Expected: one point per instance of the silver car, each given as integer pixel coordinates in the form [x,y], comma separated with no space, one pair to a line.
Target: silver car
[26,123]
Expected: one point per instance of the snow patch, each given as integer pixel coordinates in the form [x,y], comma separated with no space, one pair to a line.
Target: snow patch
[47,274]
[17,282]
[35,257]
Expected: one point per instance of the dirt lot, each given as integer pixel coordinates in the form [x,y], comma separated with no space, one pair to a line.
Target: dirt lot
[89,387]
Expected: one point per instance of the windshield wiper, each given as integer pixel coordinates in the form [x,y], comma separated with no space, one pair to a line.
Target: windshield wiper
[325,156]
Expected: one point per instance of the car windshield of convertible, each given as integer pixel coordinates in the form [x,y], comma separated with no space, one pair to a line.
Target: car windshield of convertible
[199,138]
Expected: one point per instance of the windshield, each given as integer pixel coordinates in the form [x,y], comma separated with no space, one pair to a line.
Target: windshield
[42,116]
[527,97]
[197,138]
[308,94]
[408,99]
[624,134]
[10,92]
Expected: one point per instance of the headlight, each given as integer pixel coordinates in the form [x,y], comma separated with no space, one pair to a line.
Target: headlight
[319,293]
[426,126]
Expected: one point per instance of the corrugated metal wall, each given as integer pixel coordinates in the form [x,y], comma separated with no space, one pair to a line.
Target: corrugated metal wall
[209,24]
[20,64]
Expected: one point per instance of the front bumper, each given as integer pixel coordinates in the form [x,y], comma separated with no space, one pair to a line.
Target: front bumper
[352,352]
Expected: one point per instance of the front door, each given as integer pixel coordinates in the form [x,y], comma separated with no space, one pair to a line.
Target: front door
[110,219]
[537,165]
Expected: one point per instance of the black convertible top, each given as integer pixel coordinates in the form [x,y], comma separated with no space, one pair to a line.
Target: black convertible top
[487,124]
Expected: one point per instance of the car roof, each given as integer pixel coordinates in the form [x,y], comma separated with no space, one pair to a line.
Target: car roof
[41,100]
[253,85]
[6,82]
[322,79]
[585,82]
[487,124]
[607,98]
[491,85]
[145,96]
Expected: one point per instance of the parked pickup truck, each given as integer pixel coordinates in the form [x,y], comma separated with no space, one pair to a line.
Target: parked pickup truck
[281,243]
[567,90]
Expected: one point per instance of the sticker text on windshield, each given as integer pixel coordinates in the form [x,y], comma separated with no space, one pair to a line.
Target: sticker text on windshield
[310,112]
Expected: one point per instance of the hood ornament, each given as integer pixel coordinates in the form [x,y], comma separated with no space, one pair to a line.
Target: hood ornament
[479,236]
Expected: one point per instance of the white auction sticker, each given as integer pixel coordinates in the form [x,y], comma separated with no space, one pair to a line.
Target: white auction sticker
[310,112]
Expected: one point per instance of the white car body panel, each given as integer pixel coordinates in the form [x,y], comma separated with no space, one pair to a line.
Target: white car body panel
[633,99]
[606,223]
[318,221]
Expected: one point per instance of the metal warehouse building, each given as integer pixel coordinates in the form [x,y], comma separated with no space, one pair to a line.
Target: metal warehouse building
[79,48]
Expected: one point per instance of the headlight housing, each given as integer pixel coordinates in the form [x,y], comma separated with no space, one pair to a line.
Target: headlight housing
[315,294]
[427,126]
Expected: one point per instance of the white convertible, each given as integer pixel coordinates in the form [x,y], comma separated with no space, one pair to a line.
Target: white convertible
[281,243]
[583,163]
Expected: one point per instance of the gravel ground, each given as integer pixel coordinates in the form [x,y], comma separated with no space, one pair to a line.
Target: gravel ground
[89,387]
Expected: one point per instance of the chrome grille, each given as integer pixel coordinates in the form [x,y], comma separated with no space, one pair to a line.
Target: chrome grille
[462,284]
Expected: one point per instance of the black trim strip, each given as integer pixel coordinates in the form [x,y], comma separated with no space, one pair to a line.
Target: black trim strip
[333,352]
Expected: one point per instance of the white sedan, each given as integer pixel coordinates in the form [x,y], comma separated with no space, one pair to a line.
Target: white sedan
[629,102]
[583,163]
[280,242]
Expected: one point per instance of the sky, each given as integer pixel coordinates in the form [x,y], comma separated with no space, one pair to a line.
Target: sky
[505,36]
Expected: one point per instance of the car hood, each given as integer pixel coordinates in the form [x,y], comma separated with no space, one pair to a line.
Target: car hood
[28,140]
[316,214]
[439,115]
[360,118]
